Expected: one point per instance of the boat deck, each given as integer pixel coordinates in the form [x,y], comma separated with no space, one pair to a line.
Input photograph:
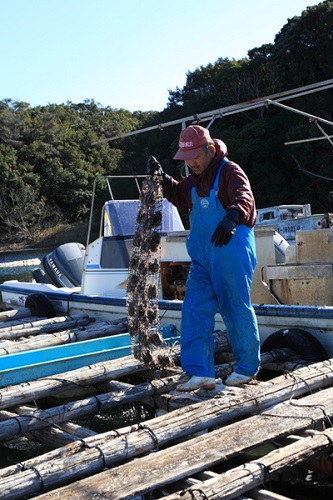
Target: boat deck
[114,429]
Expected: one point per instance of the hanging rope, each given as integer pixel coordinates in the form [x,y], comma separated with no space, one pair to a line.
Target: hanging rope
[143,282]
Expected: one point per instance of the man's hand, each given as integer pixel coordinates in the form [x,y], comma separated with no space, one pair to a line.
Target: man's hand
[226,228]
[154,167]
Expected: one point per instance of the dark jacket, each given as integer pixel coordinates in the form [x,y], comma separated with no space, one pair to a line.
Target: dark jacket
[234,187]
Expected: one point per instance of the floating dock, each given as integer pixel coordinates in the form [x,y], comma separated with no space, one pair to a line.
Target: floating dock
[114,429]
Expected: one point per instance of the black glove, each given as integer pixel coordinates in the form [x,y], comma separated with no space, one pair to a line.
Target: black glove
[154,167]
[226,228]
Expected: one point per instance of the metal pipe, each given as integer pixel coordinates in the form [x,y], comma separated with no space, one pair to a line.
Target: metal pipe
[228,110]
[324,133]
[308,115]
[300,141]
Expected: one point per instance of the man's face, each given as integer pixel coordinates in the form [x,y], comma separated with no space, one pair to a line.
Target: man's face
[201,161]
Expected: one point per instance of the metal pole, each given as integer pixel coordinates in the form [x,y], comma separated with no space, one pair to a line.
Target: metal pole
[306,140]
[288,108]
[228,110]
[324,133]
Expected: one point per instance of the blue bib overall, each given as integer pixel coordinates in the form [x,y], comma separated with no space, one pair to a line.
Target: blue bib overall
[220,278]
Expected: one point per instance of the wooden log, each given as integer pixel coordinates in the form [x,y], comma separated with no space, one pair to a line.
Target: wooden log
[14,314]
[21,263]
[261,494]
[56,384]
[42,418]
[56,436]
[82,377]
[286,366]
[84,458]
[45,326]
[24,422]
[96,330]
[19,323]
[158,469]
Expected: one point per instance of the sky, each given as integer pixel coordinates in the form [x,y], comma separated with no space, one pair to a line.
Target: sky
[125,53]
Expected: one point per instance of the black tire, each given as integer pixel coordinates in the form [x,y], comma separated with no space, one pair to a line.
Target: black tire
[40,305]
[299,341]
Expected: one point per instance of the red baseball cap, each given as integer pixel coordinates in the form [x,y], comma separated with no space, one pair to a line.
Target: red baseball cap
[191,140]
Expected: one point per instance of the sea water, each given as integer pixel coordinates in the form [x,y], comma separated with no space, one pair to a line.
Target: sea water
[19,272]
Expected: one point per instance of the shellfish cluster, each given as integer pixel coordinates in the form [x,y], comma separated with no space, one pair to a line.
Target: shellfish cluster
[142,288]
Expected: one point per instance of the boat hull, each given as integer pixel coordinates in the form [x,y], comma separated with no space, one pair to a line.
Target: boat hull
[317,320]
[30,365]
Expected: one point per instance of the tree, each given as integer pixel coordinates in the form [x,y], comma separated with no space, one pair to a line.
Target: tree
[302,51]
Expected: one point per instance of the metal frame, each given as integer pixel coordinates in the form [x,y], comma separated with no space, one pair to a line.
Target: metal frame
[211,116]
[107,178]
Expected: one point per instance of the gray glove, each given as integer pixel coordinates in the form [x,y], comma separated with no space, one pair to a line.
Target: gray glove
[226,228]
[154,167]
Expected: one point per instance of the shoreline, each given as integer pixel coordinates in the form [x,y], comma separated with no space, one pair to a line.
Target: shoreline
[49,238]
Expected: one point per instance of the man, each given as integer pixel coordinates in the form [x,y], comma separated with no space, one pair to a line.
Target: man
[222,250]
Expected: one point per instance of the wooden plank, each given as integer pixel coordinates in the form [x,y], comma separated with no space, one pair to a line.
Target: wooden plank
[164,467]
[255,473]
[39,363]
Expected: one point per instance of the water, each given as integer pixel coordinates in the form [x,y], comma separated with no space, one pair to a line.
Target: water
[20,273]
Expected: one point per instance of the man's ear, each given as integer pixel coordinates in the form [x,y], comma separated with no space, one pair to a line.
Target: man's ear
[212,149]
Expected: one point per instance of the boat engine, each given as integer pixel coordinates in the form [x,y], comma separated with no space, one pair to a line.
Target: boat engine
[63,266]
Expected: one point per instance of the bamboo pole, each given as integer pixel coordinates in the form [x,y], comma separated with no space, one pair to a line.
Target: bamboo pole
[38,419]
[95,330]
[261,494]
[44,326]
[56,384]
[14,313]
[83,377]
[156,470]
[93,454]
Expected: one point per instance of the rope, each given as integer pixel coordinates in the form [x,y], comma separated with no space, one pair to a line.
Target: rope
[152,434]
[68,300]
[192,492]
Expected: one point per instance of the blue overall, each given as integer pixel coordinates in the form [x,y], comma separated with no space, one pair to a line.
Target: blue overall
[220,278]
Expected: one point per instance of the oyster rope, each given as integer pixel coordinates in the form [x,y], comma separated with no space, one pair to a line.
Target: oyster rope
[143,280]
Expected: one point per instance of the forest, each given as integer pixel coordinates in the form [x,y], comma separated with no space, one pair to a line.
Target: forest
[51,155]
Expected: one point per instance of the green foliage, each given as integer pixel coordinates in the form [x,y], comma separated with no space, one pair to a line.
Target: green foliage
[48,162]
[302,51]
[48,159]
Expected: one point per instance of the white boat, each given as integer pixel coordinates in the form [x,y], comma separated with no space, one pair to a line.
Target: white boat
[287,219]
[294,298]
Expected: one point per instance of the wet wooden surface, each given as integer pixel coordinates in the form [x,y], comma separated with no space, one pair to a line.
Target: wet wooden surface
[216,444]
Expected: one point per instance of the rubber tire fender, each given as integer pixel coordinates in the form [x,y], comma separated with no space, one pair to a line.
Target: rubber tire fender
[299,341]
[40,305]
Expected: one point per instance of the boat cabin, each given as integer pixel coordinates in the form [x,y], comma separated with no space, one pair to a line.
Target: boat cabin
[107,258]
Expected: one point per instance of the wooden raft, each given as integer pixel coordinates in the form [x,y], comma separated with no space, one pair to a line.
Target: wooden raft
[201,444]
